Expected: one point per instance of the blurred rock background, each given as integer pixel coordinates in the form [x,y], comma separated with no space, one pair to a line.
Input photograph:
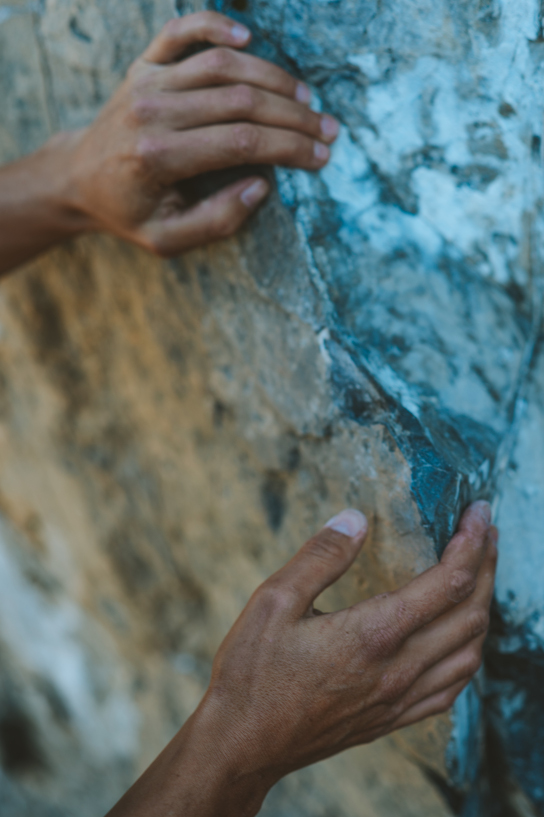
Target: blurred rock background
[170,433]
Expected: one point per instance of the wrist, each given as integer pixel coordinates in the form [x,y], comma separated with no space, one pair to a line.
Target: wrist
[219,760]
[205,771]
[60,177]
[37,209]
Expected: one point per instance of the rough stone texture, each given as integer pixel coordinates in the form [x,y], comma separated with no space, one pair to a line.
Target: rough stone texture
[171,433]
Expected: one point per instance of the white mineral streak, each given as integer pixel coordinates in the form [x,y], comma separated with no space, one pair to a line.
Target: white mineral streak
[49,638]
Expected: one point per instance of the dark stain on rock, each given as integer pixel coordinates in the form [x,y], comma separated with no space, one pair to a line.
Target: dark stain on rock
[221,414]
[57,706]
[397,192]
[477,176]
[485,138]
[135,571]
[78,32]
[4,396]
[506,110]
[52,345]
[20,748]
[453,798]
[274,498]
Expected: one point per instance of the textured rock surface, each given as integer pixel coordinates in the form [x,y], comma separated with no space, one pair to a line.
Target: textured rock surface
[171,433]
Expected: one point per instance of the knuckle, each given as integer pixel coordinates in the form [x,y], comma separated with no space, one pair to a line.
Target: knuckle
[477,623]
[142,109]
[274,598]
[473,662]
[393,687]
[243,100]
[219,62]
[461,584]
[147,153]
[246,140]
[382,641]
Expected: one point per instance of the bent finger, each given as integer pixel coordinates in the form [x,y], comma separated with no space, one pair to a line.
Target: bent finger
[176,156]
[235,103]
[439,589]
[456,667]
[223,66]
[212,219]
[320,561]
[433,705]
[458,627]
[181,32]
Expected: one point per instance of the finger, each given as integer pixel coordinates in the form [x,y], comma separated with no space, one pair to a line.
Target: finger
[206,26]
[235,103]
[459,666]
[215,218]
[223,66]
[434,705]
[458,627]
[440,588]
[320,562]
[223,146]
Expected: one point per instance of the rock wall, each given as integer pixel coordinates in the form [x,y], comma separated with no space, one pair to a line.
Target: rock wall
[170,433]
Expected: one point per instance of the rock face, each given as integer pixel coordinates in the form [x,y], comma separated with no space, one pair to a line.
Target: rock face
[171,433]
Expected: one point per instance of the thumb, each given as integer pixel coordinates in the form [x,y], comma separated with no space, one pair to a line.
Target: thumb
[322,560]
[214,218]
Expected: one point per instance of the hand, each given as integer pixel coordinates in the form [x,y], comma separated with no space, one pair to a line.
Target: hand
[291,686]
[171,121]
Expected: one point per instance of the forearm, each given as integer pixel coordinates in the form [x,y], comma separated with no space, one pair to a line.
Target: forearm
[197,775]
[36,211]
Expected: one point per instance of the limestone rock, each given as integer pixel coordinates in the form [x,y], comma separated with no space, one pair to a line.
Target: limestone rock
[170,433]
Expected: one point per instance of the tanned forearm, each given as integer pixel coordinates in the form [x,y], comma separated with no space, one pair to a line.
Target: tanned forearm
[35,203]
[203,772]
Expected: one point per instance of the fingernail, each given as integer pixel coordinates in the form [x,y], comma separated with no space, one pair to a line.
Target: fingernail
[303,93]
[348,522]
[485,510]
[321,152]
[240,33]
[255,193]
[329,127]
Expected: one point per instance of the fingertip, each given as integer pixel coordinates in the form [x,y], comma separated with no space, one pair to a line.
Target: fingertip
[321,153]
[483,509]
[303,93]
[239,34]
[330,127]
[254,193]
[350,522]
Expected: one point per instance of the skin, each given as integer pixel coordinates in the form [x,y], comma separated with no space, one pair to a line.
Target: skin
[291,686]
[171,120]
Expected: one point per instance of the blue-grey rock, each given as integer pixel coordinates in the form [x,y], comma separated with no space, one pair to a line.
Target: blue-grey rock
[169,434]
